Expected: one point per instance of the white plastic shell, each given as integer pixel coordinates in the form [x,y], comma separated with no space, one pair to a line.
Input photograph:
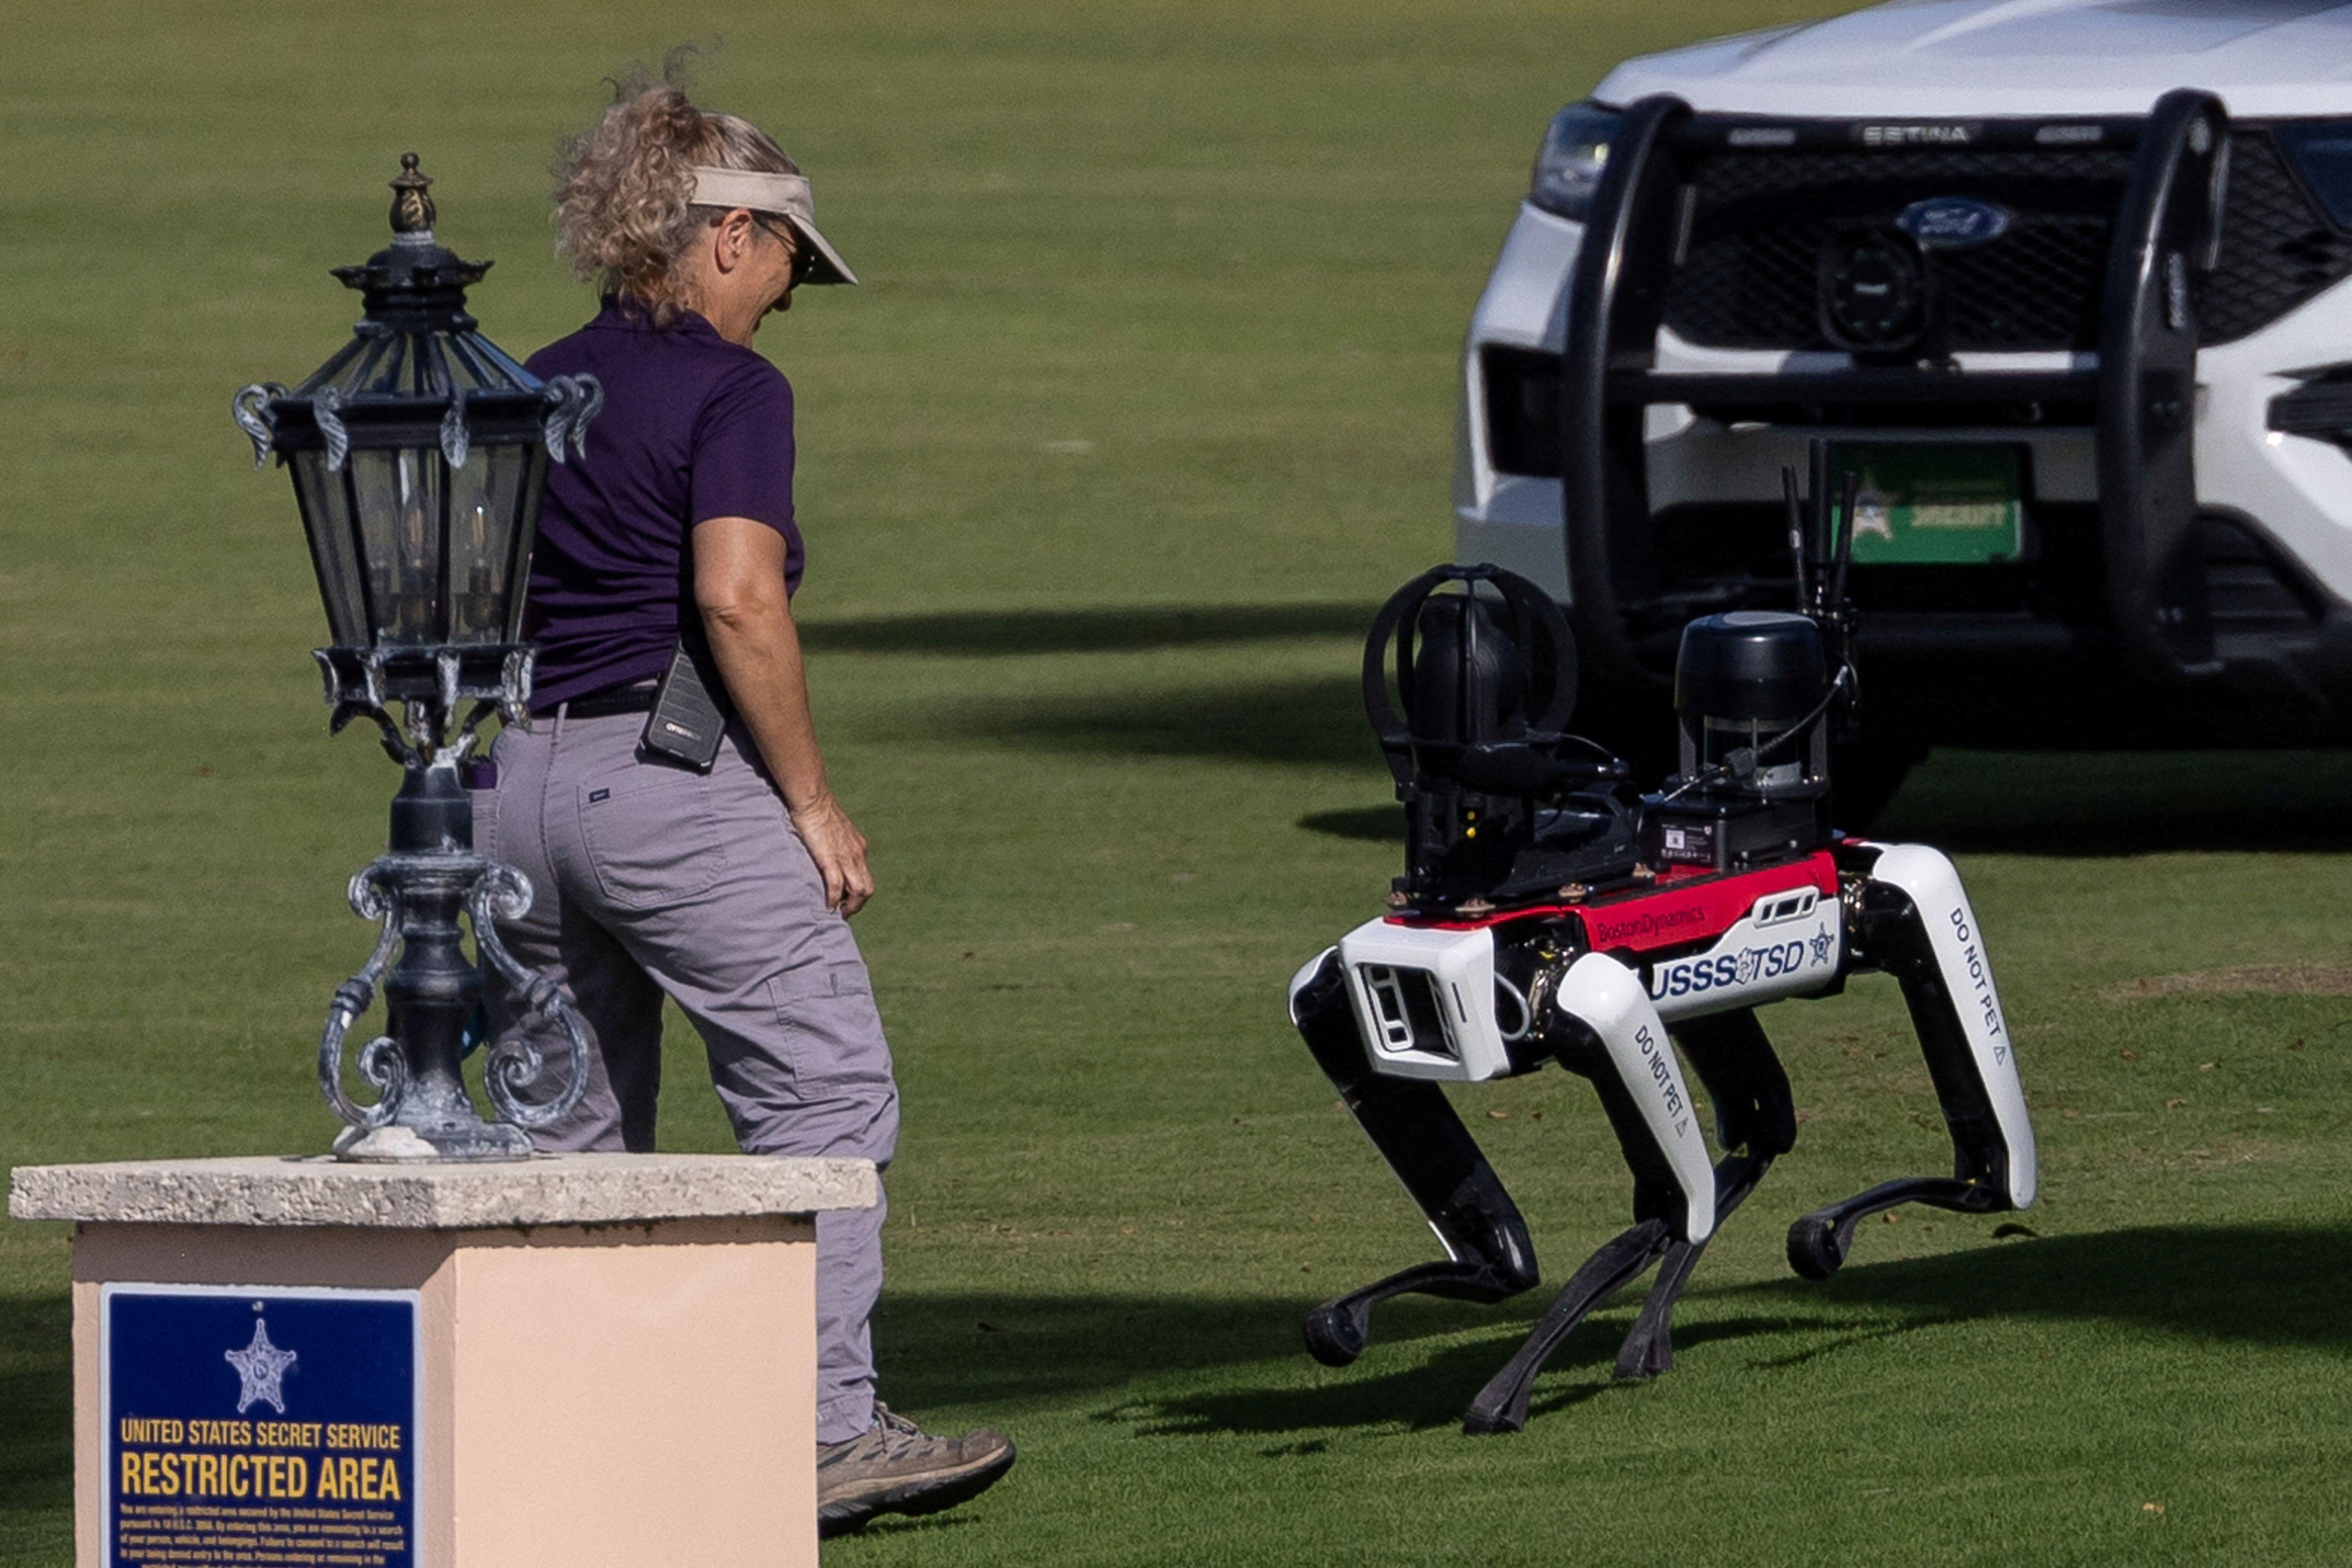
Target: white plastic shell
[1789,943]
[1300,980]
[1609,999]
[1425,1001]
[1934,887]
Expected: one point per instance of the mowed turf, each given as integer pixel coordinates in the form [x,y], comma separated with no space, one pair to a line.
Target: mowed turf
[1146,402]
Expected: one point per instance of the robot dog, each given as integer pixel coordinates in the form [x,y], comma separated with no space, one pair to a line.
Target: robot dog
[1550,914]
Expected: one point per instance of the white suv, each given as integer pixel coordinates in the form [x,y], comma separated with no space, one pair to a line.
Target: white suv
[2064,280]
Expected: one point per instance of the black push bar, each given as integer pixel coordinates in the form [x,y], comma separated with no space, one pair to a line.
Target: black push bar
[2167,232]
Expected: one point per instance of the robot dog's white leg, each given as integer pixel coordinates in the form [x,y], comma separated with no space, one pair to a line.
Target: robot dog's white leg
[1606,1029]
[1913,922]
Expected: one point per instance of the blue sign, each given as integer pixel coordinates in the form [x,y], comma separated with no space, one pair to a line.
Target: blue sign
[258,1426]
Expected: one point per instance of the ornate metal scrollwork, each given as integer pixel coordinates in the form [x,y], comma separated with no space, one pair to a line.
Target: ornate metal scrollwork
[573,402]
[432,684]
[250,408]
[456,440]
[415,897]
[502,892]
[374,896]
[326,408]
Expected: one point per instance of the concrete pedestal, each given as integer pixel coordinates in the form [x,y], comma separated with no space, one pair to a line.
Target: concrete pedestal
[614,1357]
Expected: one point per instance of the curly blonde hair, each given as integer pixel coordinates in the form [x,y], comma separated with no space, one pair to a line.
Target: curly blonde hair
[624,212]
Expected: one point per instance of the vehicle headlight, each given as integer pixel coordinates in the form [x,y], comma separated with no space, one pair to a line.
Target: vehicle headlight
[1575,149]
[2322,151]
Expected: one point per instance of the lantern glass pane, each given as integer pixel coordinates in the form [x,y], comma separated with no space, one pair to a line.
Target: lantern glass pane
[328,523]
[399,490]
[527,503]
[486,506]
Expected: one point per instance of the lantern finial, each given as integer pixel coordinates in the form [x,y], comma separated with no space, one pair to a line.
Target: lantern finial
[412,208]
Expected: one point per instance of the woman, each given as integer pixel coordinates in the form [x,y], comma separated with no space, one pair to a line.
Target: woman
[725,886]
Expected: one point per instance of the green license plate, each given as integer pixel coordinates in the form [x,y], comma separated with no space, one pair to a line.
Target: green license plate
[1933,505]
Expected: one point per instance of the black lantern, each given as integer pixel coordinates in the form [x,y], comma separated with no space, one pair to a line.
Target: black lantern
[419,454]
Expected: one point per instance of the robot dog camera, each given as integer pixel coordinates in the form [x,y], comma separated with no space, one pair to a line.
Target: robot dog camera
[1552,914]
[1742,680]
[1752,696]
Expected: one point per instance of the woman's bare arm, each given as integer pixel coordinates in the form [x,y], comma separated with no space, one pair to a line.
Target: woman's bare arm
[739,586]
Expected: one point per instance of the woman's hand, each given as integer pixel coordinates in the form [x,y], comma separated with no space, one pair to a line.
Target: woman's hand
[839,851]
[739,586]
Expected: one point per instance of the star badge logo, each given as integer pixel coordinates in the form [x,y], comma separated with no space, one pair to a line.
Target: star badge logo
[260,1371]
[1821,945]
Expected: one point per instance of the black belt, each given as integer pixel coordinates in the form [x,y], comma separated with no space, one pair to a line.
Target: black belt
[636,698]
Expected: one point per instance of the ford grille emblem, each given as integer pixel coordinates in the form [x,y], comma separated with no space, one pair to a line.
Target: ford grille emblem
[1953,222]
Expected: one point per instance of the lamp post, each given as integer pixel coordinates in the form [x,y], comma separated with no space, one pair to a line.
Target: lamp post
[419,454]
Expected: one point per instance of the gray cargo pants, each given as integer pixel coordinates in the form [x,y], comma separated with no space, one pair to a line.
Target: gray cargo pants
[649,878]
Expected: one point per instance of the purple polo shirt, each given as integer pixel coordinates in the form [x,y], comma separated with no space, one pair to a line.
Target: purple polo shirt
[693,427]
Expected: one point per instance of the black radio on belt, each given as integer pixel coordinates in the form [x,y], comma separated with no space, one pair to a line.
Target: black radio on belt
[685,725]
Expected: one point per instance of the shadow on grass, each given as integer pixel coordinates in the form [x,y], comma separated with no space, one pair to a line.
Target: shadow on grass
[979,1348]
[2099,804]
[2268,1285]
[2090,804]
[1373,824]
[2250,830]
[2272,1286]
[35,1403]
[2077,807]
[1317,721]
[1435,1391]
[982,634]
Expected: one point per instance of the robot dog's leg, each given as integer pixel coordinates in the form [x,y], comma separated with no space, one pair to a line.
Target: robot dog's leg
[1415,1129]
[1914,923]
[1609,1031]
[1755,1115]
[1502,1405]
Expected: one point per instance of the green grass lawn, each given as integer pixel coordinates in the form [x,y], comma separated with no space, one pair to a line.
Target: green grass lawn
[1146,402]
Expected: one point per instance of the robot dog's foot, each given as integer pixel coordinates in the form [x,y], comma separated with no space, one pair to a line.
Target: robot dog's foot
[1649,1348]
[1502,1405]
[1338,1331]
[1818,1242]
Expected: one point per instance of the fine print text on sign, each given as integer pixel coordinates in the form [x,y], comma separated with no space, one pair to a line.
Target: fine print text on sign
[258,1427]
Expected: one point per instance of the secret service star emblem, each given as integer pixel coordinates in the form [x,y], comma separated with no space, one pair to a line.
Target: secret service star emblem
[260,1371]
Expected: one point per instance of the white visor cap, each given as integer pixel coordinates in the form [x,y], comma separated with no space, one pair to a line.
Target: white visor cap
[781,196]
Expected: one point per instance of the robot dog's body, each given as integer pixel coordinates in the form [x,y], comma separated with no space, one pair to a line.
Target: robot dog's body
[1548,913]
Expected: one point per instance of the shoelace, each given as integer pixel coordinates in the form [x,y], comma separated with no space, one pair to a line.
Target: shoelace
[899,1434]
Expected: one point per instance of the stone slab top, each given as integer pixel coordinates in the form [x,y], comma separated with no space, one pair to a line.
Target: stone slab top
[546,1189]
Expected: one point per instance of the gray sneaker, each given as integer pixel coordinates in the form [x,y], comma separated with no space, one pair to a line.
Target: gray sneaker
[896,1466]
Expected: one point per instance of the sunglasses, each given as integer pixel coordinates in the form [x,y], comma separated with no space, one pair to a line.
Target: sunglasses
[804,253]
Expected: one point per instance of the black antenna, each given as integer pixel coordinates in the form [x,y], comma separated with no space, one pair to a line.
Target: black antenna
[1819,545]
[1850,492]
[1796,538]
